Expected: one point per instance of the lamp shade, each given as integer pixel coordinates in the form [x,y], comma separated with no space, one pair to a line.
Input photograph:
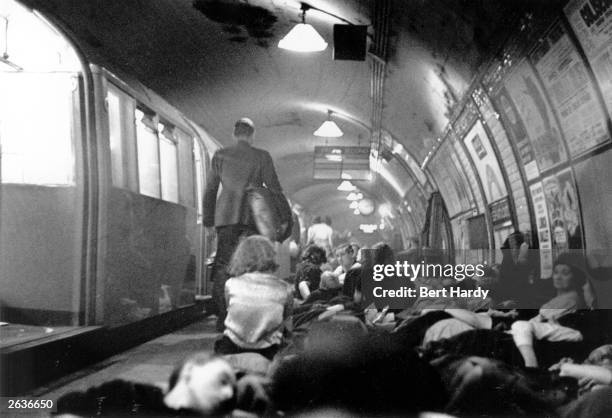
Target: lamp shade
[328,129]
[346,186]
[303,38]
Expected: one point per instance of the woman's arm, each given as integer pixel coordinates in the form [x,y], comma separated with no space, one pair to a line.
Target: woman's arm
[588,375]
[304,289]
[559,306]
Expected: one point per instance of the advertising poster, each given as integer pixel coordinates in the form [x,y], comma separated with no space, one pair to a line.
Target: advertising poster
[563,211]
[570,90]
[517,133]
[591,20]
[541,214]
[537,117]
[481,152]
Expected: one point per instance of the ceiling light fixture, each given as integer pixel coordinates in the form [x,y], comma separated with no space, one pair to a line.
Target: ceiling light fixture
[329,129]
[347,186]
[303,37]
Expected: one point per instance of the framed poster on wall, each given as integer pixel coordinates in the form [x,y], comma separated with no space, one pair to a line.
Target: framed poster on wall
[591,21]
[543,229]
[536,115]
[479,147]
[563,211]
[571,91]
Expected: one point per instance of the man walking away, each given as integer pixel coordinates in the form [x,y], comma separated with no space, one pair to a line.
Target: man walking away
[235,168]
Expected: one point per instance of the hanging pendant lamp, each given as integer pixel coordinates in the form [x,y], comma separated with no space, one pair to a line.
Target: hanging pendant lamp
[329,129]
[303,37]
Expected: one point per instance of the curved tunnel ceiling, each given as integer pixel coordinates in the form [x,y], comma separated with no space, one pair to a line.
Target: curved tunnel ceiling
[217,61]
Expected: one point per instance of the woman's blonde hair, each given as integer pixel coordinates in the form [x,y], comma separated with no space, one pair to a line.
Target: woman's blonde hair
[254,253]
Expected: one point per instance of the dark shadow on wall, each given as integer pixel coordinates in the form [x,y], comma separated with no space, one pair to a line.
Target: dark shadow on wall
[257,21]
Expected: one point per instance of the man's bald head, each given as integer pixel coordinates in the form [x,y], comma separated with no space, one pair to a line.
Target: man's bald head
[244,129]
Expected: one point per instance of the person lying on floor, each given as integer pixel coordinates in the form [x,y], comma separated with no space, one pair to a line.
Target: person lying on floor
[451,316]
[485,387]
[595,372]
[482,386]
[350,298]
[567,281]
[202,385]
[489,281]
[259,304]
[329,288]
[344,368]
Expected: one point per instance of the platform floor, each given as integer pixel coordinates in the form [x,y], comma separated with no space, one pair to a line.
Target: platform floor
[13,334]
[151,362]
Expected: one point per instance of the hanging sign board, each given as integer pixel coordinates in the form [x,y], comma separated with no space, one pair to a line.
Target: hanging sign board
[335,163]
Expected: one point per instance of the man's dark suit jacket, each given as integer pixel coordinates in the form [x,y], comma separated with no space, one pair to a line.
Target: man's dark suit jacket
[236,168]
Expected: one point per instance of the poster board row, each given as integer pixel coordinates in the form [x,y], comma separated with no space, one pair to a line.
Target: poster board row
[555,104]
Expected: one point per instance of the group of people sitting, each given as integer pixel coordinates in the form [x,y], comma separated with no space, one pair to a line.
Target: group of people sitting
[310,345]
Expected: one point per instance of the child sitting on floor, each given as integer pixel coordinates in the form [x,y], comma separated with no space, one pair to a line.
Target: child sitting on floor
[259,304]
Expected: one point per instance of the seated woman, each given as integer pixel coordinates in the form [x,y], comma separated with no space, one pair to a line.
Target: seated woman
[308,272]
[551,324]
[567,280]
[258,303]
